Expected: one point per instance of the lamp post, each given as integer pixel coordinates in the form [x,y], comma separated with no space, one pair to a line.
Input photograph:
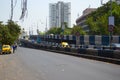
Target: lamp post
[111,7]
[111,24]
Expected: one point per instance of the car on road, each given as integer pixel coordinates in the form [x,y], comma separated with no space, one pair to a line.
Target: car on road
[7,49]
[115,46]
[64,45]
[112,46]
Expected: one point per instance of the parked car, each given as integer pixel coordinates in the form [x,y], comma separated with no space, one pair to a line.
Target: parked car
[7,49]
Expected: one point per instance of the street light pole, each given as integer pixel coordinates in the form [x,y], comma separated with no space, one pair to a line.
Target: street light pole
[111,24]
[111,7]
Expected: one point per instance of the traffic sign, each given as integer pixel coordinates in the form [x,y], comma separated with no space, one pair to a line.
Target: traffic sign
[110,28]
[77,34]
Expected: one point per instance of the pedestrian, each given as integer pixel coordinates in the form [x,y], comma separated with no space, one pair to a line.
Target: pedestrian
[14,48]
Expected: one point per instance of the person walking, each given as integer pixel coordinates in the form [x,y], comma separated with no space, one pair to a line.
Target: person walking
[14,48]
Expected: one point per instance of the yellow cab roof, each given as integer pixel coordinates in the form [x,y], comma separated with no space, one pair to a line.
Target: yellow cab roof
[64,43]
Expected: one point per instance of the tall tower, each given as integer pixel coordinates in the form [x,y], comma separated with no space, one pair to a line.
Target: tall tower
[59,13]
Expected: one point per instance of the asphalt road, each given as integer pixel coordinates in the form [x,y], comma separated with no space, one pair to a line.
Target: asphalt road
[31,64]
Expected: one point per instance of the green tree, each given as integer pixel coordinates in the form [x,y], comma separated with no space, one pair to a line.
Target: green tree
[9,33]
[98,20]
[66,31]
[14,29]
[41,33]
[77,30]
[54,30]
[6,36]
[1,30]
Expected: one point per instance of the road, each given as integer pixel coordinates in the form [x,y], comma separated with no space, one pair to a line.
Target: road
[31,64]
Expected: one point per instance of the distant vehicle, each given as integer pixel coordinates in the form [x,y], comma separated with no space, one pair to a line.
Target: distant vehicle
[115,46]
[7,49]
[64,44]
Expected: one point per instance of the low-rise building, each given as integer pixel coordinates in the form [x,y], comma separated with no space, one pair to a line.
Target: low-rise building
[118,1]
[81,21]
[23,35]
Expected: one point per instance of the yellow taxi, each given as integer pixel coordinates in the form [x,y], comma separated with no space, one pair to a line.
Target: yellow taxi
[64,44]
[7,49]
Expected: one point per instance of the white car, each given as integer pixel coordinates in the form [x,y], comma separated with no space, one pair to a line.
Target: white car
[115,46]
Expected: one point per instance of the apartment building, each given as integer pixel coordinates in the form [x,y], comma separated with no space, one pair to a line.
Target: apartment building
[81,20]
[59,13]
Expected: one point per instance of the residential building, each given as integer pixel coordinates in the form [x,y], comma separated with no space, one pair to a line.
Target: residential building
[82,19]
[23,34]
[118,1]
[59,13]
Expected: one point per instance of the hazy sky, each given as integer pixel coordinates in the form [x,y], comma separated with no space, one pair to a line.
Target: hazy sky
[38,11]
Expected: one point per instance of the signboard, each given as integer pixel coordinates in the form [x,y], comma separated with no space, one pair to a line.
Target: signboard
[111,20]
[110,28]
[111,23]
[77,34]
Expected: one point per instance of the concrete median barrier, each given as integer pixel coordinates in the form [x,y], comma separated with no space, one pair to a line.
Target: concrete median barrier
[112,56]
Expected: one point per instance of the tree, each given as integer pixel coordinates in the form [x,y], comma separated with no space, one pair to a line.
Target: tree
[14,29]
[54,30]
[1,29]
[9,33]
[66,31]
[98,20]
[41,33]
[6,36]
[77,30]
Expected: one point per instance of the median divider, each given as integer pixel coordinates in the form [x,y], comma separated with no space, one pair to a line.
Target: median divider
[111,56]
[106,53]
[116,54]
[94,57]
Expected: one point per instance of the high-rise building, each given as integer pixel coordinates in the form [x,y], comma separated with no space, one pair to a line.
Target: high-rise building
[59,14]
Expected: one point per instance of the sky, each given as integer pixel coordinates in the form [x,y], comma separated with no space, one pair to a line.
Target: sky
[38,12]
